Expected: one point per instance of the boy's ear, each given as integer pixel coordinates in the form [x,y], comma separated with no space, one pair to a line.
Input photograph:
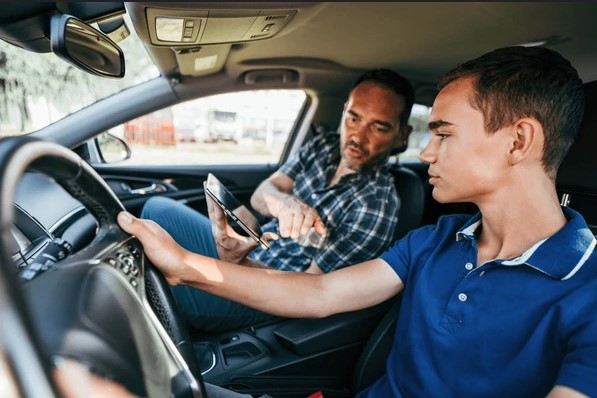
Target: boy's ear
[527,134]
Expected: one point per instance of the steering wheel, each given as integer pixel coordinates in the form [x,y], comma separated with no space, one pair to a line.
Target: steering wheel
[105,306]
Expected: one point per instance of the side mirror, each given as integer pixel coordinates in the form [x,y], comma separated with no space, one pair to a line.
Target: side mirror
[112,149]
[85,47]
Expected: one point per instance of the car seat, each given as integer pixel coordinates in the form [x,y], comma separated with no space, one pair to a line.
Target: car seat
[412,199]
[577,176]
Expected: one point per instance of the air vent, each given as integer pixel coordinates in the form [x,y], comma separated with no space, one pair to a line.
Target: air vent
[259,36]
[275,17]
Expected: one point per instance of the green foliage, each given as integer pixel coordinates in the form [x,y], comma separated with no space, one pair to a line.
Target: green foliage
[27,77]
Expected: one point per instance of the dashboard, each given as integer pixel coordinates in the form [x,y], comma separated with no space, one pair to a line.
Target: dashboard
[85,285]
[46,216]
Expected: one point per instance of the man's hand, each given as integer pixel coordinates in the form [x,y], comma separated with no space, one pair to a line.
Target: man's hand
[231,246]
[274,198]
[296,218]
[163,252]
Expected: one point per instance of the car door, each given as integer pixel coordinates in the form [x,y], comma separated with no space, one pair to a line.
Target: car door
[241,137]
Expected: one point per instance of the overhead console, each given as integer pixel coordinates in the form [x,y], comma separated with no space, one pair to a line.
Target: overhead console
[196,38]
[202,38]
[168,27]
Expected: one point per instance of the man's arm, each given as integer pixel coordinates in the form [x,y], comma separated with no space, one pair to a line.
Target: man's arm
[269,195]
[274,198]
[288,294]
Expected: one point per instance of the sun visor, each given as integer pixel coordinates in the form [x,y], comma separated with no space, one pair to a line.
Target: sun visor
[199,61]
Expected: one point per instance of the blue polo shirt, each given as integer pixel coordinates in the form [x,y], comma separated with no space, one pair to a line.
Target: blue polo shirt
[508,328]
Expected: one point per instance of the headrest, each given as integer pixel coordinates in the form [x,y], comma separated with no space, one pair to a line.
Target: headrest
[578,171]
[399,149]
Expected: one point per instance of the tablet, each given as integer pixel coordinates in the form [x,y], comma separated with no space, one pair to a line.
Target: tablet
[239,217]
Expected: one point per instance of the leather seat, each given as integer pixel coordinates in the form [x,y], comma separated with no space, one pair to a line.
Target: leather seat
[577,177]
[412,199]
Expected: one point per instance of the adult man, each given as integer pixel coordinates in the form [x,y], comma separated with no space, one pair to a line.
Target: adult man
[337,186]
[498,304]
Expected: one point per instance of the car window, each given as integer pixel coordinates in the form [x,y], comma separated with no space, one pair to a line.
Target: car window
[39,89]
[248,127]
[420,135]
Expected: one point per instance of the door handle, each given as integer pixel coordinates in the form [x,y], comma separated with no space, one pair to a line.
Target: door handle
[153,188]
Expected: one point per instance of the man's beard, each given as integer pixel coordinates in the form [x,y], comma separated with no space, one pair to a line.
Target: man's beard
[369,162]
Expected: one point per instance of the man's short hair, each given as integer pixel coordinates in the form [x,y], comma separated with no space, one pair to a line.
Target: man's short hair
[514,82]
[394,82]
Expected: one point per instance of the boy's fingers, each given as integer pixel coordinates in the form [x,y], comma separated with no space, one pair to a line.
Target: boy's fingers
[126,221]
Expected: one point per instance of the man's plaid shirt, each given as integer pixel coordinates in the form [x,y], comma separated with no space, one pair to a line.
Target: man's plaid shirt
[360,211]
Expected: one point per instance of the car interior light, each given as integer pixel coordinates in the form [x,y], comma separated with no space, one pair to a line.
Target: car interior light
[169,29]
[544,42]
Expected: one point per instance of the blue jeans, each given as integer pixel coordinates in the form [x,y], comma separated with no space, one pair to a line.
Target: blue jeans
[192,230]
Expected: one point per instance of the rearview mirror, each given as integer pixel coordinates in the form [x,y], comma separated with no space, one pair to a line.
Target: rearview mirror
[85,47]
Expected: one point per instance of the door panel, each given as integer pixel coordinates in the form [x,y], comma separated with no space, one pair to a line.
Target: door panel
[135,184]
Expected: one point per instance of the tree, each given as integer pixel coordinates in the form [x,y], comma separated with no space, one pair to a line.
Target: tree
[28,79]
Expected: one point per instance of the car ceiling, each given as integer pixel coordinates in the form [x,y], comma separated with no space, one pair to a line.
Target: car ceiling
[420,40]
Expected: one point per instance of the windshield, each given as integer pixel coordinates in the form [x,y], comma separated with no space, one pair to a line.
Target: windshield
[39,89]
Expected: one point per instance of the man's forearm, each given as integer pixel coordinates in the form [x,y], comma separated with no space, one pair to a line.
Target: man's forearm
[268,198]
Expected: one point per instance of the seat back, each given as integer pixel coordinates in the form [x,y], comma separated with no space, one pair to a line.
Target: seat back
[577,176]
[412,199]
[372,362]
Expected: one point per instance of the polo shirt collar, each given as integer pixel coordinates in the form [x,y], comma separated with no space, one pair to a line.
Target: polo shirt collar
[560,256]
[468,230]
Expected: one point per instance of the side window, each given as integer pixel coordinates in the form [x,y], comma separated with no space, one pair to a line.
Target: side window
[248,127]
[420,136]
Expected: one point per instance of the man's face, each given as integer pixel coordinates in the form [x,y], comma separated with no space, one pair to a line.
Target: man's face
[465,163]
[370,125]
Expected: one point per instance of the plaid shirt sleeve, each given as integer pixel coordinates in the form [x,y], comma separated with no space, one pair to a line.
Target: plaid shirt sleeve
[364,232]
[296,163]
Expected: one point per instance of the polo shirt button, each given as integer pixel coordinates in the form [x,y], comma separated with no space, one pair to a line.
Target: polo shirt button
[313,196]
[462,297]
[468,266]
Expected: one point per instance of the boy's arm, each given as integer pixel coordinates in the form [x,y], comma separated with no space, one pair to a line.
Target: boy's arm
[288,294]
[565,392]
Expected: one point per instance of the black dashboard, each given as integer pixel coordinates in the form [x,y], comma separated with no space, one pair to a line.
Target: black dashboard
[45,216]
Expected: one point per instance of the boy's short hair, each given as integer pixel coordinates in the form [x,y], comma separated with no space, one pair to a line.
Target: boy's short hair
[515,82]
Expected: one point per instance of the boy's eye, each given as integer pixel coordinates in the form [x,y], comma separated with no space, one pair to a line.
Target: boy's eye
[442,136]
